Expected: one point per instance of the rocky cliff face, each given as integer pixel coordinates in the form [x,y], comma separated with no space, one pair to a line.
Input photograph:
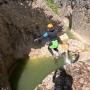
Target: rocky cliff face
[81,18]
[78,12]
[19,25]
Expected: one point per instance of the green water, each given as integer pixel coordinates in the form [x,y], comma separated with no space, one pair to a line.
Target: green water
[30,73]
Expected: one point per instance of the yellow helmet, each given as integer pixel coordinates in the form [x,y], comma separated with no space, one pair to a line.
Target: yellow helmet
[50,25]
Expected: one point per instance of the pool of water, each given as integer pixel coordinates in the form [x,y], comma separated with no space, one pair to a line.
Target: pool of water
[30,73]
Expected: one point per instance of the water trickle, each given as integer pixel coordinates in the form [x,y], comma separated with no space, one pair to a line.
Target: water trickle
[66,58]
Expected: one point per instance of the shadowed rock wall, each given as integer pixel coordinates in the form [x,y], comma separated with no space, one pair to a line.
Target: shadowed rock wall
[19,25]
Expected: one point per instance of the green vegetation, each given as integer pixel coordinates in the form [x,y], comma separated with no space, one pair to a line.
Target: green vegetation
[52,5]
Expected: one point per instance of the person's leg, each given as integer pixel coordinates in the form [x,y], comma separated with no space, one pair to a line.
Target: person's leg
[50,50]
[53,48]
[59,53]
[56,49]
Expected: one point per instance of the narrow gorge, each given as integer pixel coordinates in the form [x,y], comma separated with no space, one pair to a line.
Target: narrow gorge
[22,21]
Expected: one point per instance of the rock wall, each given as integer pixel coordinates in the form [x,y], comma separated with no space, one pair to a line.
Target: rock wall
[81,18]
[4,83]
[20,24]
[78,12]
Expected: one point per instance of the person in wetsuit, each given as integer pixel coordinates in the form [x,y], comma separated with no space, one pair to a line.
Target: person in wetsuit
[52,39]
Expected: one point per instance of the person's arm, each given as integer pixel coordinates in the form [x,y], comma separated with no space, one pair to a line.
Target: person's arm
[39,38]
[43,36]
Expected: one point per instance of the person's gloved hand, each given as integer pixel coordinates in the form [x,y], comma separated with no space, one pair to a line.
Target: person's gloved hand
[35,40]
